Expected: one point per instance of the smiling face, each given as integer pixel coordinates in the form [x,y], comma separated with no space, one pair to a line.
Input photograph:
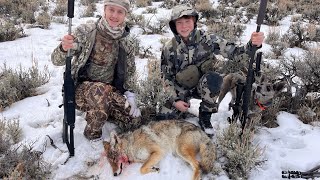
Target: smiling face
[185,26]
[115,15]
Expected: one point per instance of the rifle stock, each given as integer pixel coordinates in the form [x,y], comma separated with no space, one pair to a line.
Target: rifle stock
[69,93]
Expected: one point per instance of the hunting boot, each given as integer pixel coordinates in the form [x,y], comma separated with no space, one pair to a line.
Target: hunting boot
[95,121]
[204,122]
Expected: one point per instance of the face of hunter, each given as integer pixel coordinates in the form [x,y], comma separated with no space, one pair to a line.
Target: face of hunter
[185,25]
[115,15]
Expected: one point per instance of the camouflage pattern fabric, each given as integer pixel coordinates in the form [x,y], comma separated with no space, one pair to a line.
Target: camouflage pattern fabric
[209,88]
[182,10]
[95,45]
[200,48]
[179,11]
[103,60]
[102,103]
[85,36]
[125,4]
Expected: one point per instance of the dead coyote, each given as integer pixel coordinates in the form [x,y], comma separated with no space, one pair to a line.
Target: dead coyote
[150,143]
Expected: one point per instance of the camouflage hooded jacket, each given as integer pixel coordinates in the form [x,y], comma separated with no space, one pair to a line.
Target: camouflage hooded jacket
[200,49]
[85,35]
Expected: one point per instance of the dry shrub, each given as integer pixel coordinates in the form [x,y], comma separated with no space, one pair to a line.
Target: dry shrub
[243,3]
[169,4]
[143,3]
[313,32]
[227,29]
[134,19]
[44,19]
[205,8]
[296,18]
[273,35]
[241,154]
[226,2]
[19,162]
[23,163]
[59,19]
[274,39]
[226,12]
[10,131]
[158,27]
[252,10]
[285,6]
[14,130]
[151,90]
[19,84]
[305,68]
[163,42]
[308,70]
[89,10]
[61,8]
[273,16]
[151,10]
[308,115]
[269,116]
[136,43]
[88,2]
[20,9]
[296,36]
[309,10]
[9,31]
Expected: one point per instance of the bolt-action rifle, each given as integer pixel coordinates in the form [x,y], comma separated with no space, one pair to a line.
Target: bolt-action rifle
[237,106]
[250,76]
[69,93]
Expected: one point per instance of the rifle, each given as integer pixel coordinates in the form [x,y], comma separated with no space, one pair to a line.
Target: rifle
[69,93]
[250,75]
[236,107]
[312,173]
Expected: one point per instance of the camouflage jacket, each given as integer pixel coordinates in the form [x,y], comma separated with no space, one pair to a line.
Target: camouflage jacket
[201,48]
[84,42]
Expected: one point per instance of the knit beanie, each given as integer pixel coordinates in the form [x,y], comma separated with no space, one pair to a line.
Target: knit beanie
[125,4]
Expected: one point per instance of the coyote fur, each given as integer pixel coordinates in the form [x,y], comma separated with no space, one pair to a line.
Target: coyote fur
[150,143]
[264,90]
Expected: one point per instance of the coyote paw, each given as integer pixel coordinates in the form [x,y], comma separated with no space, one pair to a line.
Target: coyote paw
[155,169]
[145,170]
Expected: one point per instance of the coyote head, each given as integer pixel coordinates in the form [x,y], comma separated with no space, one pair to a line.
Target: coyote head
[115,154]
[264,90]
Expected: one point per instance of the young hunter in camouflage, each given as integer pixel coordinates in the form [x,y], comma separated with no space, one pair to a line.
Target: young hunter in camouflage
[103,67]
[187,65]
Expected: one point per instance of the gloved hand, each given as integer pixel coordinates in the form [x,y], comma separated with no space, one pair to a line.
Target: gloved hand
[131,98]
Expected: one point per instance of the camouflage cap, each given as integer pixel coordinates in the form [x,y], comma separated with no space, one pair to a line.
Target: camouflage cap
[179,11]
[182,10]
[125,4]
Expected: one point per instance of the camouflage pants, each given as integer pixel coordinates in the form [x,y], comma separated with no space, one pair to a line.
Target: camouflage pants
[209,88]
[102,103]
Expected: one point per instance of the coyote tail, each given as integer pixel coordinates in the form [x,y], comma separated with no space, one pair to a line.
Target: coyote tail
[207,155]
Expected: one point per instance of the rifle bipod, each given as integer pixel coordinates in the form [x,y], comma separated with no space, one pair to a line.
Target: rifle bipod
[312,173]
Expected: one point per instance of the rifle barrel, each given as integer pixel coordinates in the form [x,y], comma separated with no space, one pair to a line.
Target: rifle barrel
[70,8]
[262,13]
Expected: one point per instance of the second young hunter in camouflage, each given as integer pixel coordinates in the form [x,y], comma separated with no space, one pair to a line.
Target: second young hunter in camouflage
[187,65]
[103,67]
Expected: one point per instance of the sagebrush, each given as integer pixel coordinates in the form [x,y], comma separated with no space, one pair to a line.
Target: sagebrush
[19,161]
[17,84]
[241,154]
